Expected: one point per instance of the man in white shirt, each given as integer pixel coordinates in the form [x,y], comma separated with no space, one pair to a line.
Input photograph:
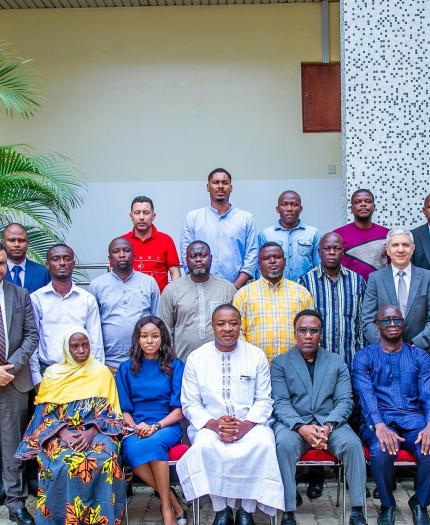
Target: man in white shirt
[233,453]
[58,304]
[401,284]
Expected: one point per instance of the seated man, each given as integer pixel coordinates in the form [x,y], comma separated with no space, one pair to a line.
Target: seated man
[392,380]
[313,400]
[226,397]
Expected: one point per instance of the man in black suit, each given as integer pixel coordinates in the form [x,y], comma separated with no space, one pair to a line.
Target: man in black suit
[18,340]
[20,270]
[421,256]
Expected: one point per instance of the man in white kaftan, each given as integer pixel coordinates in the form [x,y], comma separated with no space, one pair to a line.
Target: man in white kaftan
[226,397]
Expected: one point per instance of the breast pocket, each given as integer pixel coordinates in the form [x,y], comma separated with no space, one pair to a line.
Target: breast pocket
[304,248]
[247,389]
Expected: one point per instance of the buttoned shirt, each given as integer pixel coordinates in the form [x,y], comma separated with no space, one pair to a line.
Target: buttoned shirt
[406,277]
[231,237]
[268,312]
[393,387]
[3,311]
[154,256]
[300,245]
[52,313]
[339,302]
[122,304]
[10,266]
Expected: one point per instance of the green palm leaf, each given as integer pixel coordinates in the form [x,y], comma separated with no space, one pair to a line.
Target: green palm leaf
[17,93]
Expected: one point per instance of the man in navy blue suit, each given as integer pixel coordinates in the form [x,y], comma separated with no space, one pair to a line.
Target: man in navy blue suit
[392,380]
[22,271]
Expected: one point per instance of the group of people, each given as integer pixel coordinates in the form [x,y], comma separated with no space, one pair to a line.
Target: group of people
[254,347]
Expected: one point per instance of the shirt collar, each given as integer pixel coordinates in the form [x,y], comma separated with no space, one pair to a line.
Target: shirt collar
[10,264]
[300,226]
[213,210]
[154,233]
[50,289]
[270,285]
[1,286]
[407,270]
[115,276]
[321,272]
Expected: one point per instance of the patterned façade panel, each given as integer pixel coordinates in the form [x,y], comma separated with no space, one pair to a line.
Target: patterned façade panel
[385,46]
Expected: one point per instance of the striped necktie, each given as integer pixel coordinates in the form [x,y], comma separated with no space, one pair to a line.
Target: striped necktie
[2,340]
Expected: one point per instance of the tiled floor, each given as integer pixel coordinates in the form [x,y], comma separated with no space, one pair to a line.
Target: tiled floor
[144,508]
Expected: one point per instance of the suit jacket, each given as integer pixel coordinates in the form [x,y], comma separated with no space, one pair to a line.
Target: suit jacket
[22,333]
[381,291]
[36,276]
[421,255]
[299,401]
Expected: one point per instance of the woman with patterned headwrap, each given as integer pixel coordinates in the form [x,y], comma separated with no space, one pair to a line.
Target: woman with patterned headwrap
[75,434]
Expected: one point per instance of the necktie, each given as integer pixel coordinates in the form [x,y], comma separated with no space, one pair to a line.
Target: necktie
[402,293]
[16,271]
[2,340]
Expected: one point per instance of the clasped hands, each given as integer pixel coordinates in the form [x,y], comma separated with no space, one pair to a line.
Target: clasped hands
[389,439]
[78,441]
[229,428]
[143,430]
[5,376]
[315,435]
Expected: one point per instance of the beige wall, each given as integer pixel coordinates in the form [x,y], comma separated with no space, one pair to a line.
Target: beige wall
[169,93]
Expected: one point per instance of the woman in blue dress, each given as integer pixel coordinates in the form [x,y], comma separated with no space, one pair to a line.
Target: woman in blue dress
[149,388]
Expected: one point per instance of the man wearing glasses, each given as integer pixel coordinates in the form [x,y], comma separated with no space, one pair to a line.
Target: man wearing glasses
[312,396]
[392,380]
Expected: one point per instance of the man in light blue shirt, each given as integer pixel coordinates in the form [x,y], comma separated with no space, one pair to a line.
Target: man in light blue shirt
[123,296]
[230,232]
[298,240]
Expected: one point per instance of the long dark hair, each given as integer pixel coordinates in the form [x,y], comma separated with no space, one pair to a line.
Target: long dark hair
[167,353]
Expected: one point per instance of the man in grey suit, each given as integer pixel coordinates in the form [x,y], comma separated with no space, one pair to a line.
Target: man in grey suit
[401,284]
[421,256]
[312,396]
[18,340]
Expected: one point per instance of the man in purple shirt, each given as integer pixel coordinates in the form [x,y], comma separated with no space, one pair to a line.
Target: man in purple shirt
[364,241]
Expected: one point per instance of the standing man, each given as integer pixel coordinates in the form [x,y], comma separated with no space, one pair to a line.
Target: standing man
[18,340]
[421,256]
[312,396]
[188,303]
[230,232]
[226,398]
[58,304]
[269,304]
[154,252]
[124,296]
[338,296]
[364,240]
[403,285]
[22,271]
[392,380]
[298,240]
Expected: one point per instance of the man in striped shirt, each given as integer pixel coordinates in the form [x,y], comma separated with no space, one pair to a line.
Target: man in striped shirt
[338,295]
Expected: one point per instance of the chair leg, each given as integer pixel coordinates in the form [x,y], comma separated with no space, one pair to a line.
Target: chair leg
[126,510]
[338,469]
[365,504]
[344,494]
[196,511]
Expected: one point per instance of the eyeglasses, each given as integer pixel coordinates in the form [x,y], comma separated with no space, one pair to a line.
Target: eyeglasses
[397,321]
[304,331]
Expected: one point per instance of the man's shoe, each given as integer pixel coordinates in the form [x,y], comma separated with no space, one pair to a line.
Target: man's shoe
[288,518]
[386,516]
[243,517]
[420,515]
[299,499]
[224,517]
[314,490]
[21,516]
[357,518]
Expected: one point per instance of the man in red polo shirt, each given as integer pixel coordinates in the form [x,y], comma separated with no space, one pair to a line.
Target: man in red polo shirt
[154,252]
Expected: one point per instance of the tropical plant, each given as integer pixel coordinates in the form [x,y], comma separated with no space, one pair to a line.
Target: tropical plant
[37,190]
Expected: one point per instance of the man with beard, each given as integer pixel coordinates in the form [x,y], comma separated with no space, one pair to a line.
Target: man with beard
[392,381]
[123,296]
[59,304]
[269,304]
[364,240]
[230,232]
[187,304]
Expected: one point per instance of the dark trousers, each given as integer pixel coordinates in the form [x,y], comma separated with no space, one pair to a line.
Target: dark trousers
[382,465]
[13,417]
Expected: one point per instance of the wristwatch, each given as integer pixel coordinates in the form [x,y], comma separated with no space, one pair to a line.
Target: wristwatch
[330,426]
[157,425]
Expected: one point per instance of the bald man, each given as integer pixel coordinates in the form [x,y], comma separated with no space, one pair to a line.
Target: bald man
[22,271]
[123,297]
[298,240]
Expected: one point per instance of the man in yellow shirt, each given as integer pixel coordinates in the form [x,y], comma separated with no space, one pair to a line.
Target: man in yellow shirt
[269,304]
